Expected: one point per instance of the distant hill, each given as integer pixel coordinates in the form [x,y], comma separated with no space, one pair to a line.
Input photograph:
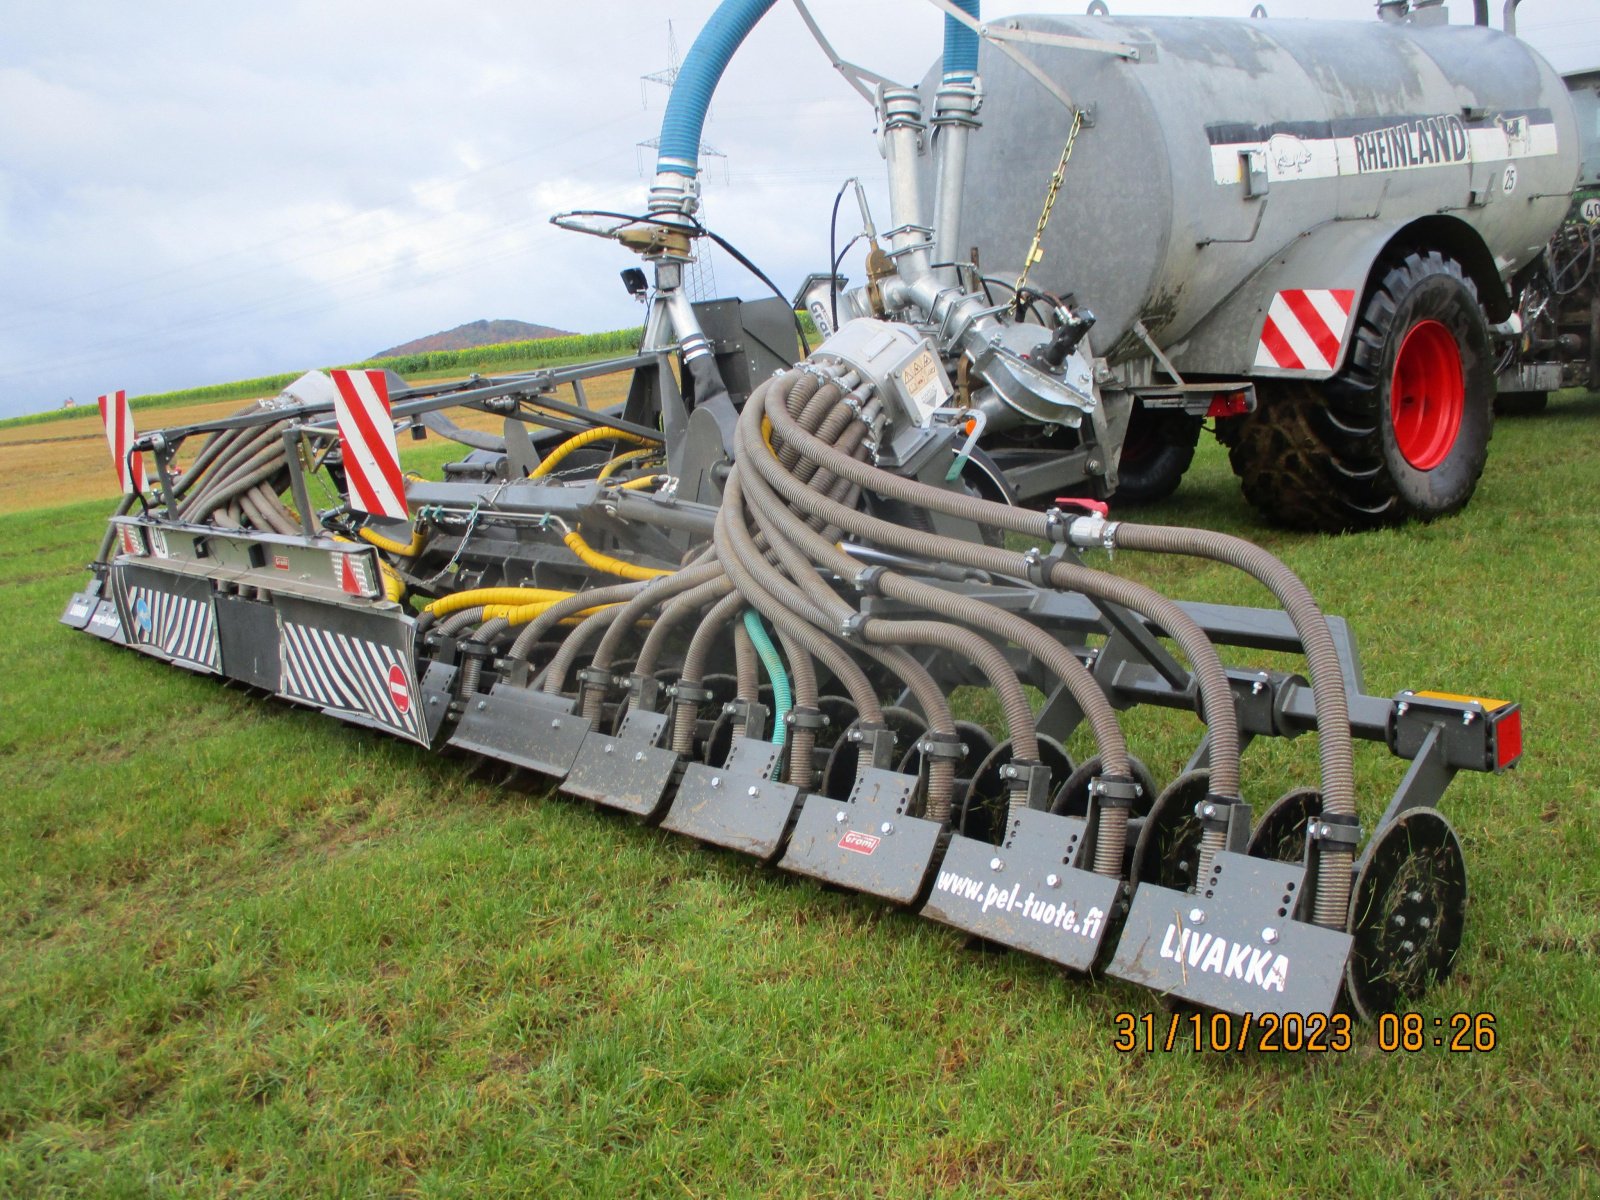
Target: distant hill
[473,334]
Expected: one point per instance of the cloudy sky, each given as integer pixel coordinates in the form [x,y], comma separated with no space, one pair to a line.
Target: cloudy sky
[192,193]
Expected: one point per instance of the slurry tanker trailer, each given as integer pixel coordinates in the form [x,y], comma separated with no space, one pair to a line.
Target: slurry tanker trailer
[1554,335]
[737,602]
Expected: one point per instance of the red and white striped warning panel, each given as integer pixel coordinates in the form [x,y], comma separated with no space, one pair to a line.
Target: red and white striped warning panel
[1304,329]
[117,417]
[349,676]
[366,430]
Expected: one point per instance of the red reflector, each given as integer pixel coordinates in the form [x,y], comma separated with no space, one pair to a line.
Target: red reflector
[1508,739]
[1229,404]
[133,541]
[354,572]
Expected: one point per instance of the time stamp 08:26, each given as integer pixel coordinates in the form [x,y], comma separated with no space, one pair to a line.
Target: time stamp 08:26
[1299,1033]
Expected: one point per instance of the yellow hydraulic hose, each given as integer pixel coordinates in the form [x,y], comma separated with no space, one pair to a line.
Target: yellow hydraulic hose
[604,434]
[623,459]
[393,586]
[508,596]
[521,614]
[373,537]
[643,481]
[604,562]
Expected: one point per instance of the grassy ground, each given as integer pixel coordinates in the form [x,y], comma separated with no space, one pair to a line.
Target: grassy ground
[246,950]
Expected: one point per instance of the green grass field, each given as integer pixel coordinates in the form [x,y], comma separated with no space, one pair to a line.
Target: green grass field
[245,950]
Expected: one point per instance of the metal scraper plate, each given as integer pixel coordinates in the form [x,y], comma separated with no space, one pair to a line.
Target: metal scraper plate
[868,843]
[1024,894]
[738,805]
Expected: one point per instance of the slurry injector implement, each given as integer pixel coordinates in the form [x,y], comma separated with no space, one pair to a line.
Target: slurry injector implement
[739,601]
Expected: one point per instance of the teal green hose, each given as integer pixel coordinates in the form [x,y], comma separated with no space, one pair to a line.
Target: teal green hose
[782,698]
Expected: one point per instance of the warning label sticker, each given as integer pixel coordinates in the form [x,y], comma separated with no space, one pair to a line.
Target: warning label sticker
[925,385]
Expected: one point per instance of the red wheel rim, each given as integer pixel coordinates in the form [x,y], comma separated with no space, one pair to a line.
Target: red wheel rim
[1427,395]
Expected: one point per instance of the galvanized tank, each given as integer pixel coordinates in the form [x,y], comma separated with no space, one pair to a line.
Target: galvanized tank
[1344,121]
[1584,87]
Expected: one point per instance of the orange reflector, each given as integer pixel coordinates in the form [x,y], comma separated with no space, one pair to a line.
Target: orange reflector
[1504,723]
[1488,705]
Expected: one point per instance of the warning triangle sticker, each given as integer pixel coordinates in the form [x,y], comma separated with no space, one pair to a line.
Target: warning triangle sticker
[348,579]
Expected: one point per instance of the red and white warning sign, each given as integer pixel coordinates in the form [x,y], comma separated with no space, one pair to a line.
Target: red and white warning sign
[366,430]
[354,573]
[399,690]
[861,843]
[1304,329]
[117,417]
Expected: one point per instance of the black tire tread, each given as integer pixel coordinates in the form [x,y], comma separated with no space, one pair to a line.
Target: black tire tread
[1312,455]
[1168,439]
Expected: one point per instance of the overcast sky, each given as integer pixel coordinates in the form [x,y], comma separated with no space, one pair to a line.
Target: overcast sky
[192,193]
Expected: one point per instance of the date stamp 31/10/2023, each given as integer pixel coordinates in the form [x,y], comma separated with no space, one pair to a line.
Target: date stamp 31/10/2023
[1300,1033]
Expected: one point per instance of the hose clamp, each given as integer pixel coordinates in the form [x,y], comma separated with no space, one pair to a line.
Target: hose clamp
[867,579]
[806,718]
[865,729]
[853,626]
[1030,778]
[749,715]
[1335,830]
[1115,791]
[468,648]
[689,693]
[694,346]
[1037,567]
[947,746]
[645,690]
[1212,812]
[597,677]
[1055,525]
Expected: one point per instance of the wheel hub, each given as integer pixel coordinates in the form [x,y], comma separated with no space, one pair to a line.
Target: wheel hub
[1427,395]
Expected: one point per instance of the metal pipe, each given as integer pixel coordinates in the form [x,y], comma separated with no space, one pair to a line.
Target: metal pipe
[900,112]
[955,116]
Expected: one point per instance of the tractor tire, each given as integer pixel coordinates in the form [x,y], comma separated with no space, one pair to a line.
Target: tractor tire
[1400,434]
[1520,404]
[1156,451]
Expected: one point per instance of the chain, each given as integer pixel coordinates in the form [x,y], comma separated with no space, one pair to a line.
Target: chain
[1036,251]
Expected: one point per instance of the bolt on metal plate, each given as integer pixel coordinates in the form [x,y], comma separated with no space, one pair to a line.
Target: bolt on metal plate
[738,805]
[527,728]
[631,776]
[853,853]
